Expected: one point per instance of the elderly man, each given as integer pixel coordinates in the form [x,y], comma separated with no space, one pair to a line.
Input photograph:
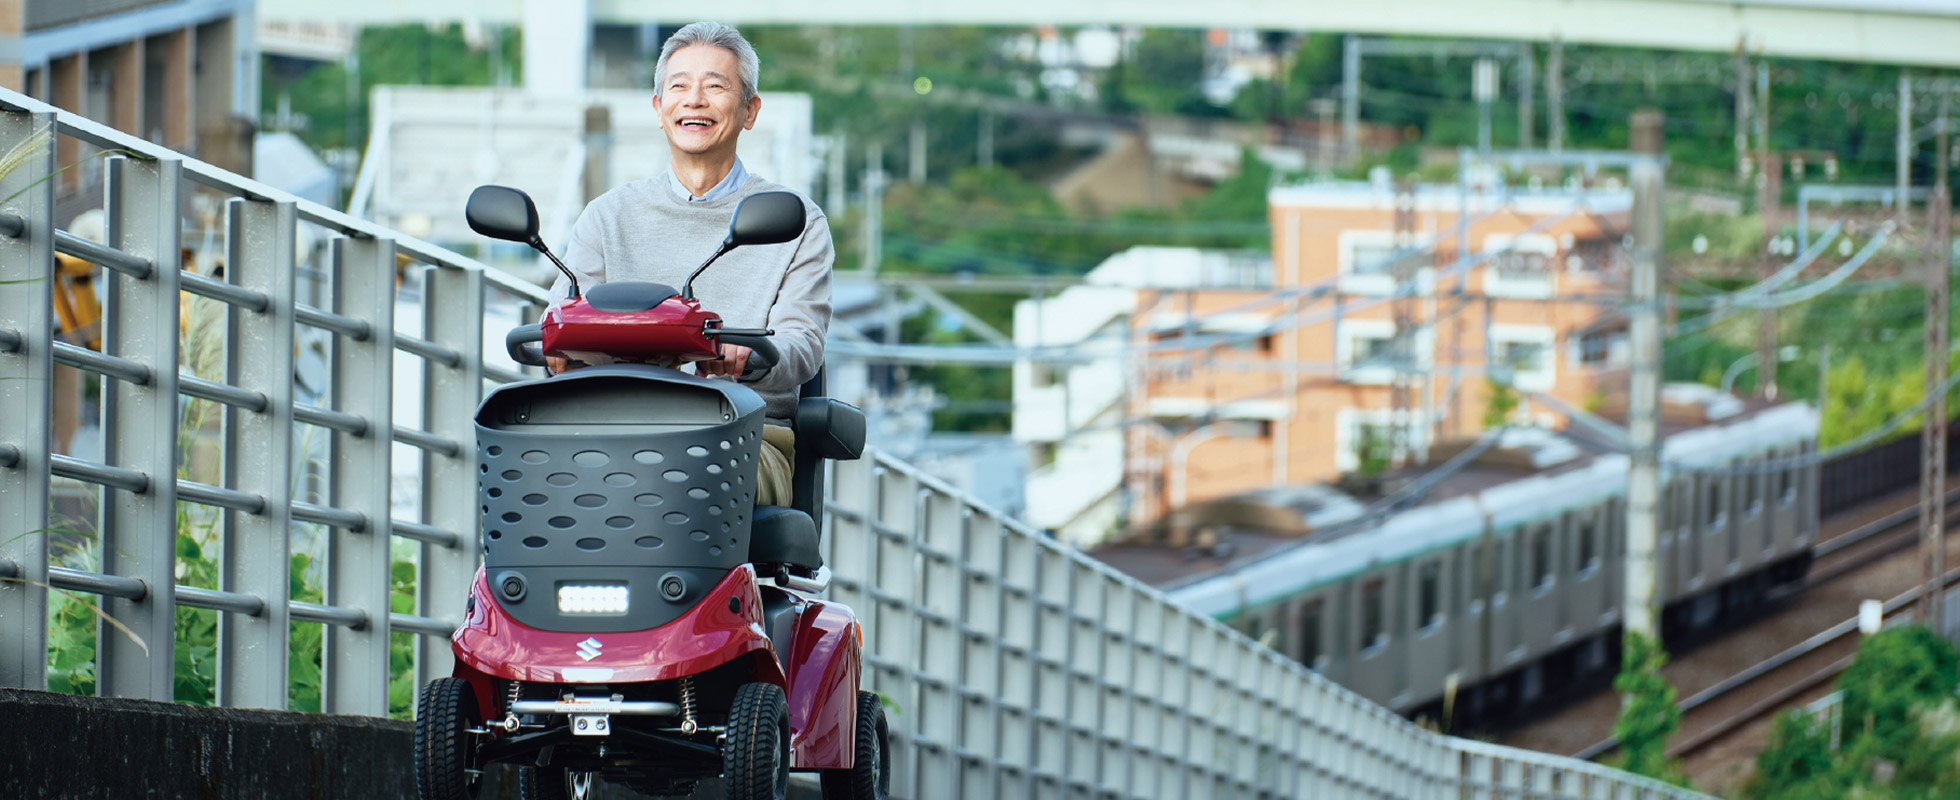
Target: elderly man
[660,228]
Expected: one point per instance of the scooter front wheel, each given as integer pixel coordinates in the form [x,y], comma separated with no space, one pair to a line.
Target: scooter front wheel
[755,752]
[443,744]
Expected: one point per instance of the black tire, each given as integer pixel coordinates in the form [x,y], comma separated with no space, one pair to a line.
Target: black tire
[755,751]
[443,748]
[870,776]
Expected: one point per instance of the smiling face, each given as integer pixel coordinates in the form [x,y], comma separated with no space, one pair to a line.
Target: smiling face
[700,102]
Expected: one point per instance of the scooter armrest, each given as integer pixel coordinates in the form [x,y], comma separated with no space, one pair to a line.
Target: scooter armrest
[832,429]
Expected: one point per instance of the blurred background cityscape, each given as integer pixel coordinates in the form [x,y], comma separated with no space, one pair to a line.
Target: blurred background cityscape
[1196,283]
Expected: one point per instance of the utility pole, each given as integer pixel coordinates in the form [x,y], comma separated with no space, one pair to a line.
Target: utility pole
[1527,64]
[1932,439]
[986,137]
[1904,157]
[915,162]
[1769,200]
[1741,111]
[834,181]
[1401,419]
[1555,96]
[1483,85]
[1350,96]
[874,207]
[1644,381]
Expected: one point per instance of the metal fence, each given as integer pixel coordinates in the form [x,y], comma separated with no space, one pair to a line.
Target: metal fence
[1018,666]
[146,380]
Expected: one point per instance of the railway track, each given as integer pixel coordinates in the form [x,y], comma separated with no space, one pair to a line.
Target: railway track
[1798,672]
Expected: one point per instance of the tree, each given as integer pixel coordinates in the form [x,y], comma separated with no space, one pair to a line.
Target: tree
[1649,714]
[1900,728]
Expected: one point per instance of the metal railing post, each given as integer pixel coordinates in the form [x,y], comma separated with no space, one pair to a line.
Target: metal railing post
[252,650]
[26,391]
[140,426]
[452,316]
[358,563]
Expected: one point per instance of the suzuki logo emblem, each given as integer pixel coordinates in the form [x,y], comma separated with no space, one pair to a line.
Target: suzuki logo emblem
[589,649]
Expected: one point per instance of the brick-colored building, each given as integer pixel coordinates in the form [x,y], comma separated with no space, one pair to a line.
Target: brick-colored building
[181,73]
[1301,377]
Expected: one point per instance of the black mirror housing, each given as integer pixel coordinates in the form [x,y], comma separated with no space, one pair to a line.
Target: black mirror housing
[501,212]
[765,218]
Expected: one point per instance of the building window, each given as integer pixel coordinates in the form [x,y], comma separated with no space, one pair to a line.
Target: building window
[1247,428]
[1429,590]
[1310,634]
[1373,617]
[1368,259]
[1527,351]
[1520,265]
[1602,348]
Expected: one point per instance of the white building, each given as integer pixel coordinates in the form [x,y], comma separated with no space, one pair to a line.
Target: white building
[1069,396]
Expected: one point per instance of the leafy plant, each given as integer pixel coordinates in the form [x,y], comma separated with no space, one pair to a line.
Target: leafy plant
[1648,715]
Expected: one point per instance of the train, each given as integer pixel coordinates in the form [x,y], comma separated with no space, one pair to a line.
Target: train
[1501,586]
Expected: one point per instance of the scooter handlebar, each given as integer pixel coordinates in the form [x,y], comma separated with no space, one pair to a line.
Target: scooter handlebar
[517,344]
[762,352]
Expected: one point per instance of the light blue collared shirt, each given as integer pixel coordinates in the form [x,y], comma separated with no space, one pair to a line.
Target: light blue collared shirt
[737,175]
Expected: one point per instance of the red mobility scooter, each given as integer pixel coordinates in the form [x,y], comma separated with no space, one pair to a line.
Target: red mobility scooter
[638,619]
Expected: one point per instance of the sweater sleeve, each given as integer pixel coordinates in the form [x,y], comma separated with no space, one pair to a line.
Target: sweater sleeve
[801,313]
[585,255]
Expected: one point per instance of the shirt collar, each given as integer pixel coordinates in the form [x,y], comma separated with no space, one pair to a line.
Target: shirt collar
[737,175]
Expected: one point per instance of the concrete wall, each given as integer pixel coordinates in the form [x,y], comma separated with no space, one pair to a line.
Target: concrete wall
[63,745]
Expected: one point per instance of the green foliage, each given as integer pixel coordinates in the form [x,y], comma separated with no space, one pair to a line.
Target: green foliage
[75,618]
[1503,402]
[1648,714]
[1900,734]
[407,54]
[1162,75]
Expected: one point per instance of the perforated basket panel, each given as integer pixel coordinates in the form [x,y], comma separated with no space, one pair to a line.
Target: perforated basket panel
[630,467]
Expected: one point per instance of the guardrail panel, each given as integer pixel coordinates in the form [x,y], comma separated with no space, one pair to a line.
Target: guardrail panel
[252,650]
[139,530]
[355,669]
[452,317]
[26,395]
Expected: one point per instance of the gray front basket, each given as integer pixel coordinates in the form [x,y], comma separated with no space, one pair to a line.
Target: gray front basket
[618,473]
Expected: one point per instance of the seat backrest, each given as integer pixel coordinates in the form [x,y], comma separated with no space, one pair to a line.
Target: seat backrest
[806,484]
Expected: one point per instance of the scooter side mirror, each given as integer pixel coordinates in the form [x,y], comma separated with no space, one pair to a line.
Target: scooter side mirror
[501,212]
[766,218]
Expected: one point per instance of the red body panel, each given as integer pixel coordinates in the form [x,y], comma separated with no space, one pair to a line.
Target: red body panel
[490,642]
[671,331]
[823,682]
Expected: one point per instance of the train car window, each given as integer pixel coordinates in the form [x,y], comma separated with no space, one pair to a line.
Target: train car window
[1752,498]
[1541,556]
[1310,617]
[1373,616]
[1669,500]
[1786,479]
[1717,514]
[1588,546]
[1429,590]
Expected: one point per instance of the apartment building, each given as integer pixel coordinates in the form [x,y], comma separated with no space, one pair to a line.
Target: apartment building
[182,73]
[1228,382]
[1332,370]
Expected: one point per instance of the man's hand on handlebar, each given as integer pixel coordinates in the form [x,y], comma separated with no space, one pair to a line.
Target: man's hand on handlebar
[734,359]
[557,364]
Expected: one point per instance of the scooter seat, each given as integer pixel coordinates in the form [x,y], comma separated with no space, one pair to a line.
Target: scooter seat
[780,535]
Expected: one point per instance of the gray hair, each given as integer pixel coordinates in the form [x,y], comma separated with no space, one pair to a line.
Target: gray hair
[720,35]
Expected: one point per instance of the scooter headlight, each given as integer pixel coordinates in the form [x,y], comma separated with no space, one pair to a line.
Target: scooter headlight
[587,598]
